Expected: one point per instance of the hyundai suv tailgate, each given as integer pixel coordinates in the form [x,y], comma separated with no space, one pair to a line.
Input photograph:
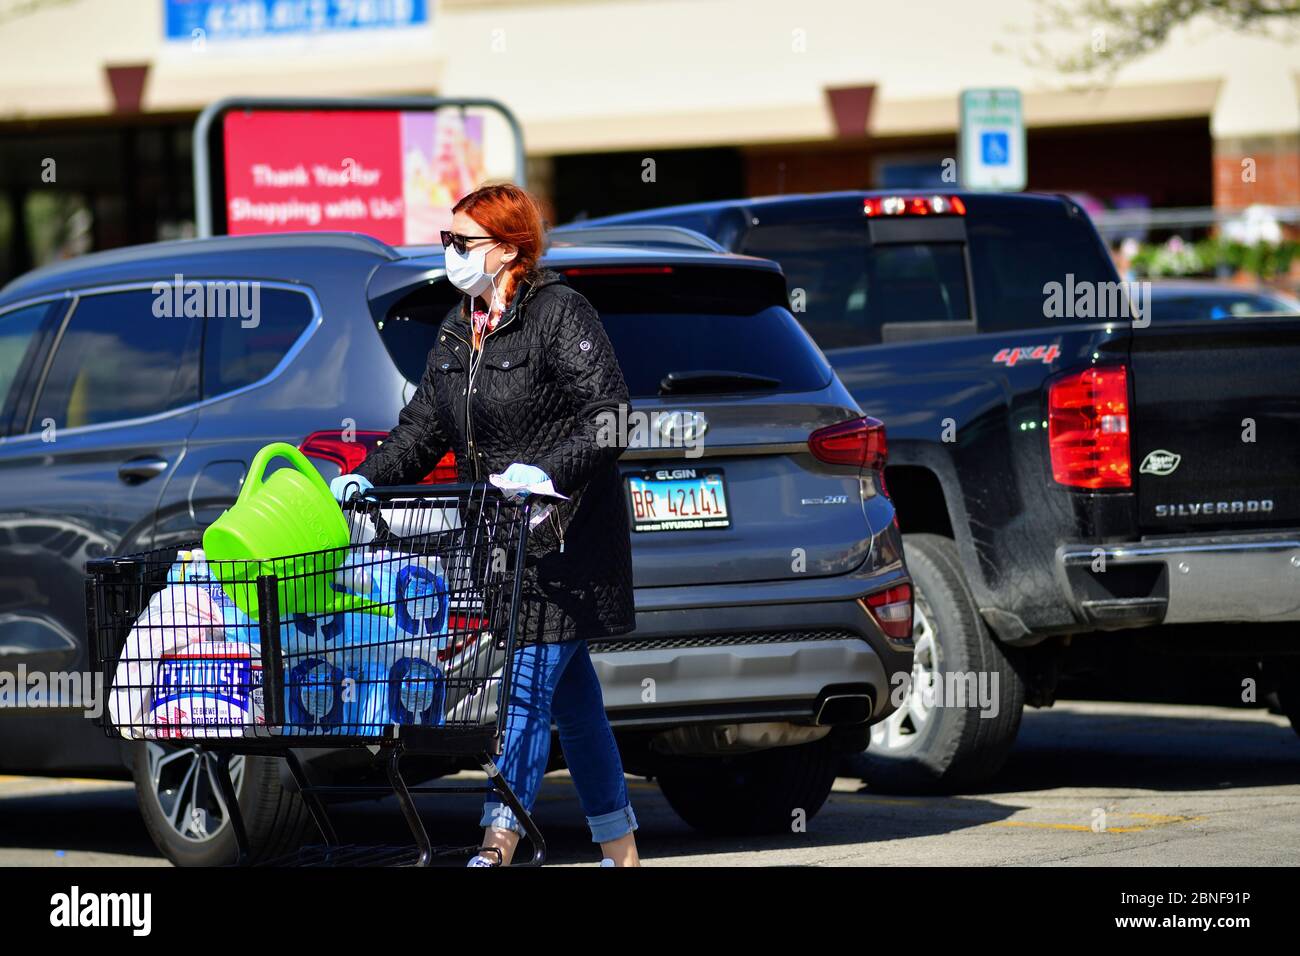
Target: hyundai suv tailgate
[727,480]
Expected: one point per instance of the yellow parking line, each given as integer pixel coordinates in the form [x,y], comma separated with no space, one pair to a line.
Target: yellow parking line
[1158,820]
[1161,819]
[1051,826]
[1066,826]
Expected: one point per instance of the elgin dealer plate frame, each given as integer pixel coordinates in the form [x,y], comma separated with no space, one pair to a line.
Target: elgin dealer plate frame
[707,515]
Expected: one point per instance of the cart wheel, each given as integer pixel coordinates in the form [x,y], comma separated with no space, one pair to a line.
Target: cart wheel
[176,789]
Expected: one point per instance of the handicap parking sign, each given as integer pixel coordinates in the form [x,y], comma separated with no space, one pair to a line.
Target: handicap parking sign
[992,140]
[995,148]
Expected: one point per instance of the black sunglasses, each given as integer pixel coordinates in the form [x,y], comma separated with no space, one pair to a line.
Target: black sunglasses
[457,241]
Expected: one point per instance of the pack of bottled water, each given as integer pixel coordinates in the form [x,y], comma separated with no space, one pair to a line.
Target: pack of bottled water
[192,665]
[354,672]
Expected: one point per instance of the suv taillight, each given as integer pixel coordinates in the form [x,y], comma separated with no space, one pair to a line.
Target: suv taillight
[892,609]
[330,445]
[859,441]
[1087,428]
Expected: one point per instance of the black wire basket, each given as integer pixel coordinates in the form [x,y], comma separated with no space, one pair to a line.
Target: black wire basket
[404,638]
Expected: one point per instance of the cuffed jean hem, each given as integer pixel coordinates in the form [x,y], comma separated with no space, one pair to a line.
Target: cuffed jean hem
[501,817]
[606,827]
[611,826]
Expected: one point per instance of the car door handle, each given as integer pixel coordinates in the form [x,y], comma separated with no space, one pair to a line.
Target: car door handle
[141,469]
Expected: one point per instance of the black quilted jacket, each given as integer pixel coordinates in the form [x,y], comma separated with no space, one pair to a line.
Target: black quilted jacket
[547,372]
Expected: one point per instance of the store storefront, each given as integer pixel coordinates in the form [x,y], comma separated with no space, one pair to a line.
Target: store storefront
[95,148]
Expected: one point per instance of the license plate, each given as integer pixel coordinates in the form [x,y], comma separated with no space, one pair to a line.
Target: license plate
[678,499]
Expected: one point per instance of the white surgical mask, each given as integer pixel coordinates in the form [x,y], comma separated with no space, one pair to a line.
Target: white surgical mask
[467,272]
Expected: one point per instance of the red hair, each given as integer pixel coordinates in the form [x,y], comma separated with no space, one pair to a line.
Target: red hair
[511,215]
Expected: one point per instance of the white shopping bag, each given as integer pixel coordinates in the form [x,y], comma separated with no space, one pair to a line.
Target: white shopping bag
[543,489]
[177,616]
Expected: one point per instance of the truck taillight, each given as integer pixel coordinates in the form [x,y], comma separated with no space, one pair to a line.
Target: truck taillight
[933,205]
[350,451]
[858,441]
[1087,428]
[892,610]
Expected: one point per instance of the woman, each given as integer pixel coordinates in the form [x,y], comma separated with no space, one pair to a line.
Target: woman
[517,383]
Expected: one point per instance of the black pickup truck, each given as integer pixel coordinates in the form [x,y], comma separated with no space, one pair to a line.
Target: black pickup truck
[1064,463]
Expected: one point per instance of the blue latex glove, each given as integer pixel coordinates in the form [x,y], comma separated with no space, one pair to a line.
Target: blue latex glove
[344,486]
[524,475]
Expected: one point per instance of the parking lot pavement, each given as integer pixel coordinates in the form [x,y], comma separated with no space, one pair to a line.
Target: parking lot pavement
[1088,784]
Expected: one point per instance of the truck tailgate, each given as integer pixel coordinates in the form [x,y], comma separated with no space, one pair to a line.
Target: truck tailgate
[1215,428]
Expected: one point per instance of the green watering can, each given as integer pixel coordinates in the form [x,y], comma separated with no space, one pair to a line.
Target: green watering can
[269,530]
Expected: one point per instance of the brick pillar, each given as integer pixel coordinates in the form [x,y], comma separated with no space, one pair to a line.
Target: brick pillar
[1275,171]
[127,86]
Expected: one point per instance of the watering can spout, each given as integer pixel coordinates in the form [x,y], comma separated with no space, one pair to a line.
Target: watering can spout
[355,602]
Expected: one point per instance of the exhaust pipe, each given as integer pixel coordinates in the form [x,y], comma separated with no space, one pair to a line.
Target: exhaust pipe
[840,709]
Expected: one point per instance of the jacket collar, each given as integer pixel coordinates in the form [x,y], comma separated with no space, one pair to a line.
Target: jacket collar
[532,283]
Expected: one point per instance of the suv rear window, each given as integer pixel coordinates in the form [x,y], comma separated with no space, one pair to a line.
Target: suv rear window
[408,329]
[660,319]
[693,320]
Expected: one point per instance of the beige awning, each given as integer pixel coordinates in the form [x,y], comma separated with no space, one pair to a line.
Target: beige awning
[1116,104]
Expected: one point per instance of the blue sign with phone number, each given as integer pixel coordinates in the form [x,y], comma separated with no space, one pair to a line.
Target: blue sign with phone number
[251,19]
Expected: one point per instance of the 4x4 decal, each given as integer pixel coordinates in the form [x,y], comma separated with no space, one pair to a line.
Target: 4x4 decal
[1039,353]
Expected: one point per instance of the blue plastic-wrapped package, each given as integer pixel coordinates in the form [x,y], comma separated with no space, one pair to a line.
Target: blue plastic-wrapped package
[353,672]
[361,698]
[190,665]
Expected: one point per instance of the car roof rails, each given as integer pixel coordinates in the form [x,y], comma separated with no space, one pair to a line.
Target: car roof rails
[673,237]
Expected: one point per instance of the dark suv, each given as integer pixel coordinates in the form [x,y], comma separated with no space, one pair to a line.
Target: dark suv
[773,605]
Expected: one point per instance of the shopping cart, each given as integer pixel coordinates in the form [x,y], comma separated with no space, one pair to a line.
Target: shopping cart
[422,665]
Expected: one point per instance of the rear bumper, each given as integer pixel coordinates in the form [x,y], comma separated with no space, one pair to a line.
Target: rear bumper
[1242,577]
[807,653]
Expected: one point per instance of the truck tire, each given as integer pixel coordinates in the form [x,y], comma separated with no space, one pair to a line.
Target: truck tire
[751,794]
[944,749]
[177,795]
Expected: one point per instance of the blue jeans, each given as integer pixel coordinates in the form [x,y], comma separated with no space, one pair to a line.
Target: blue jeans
[557,681]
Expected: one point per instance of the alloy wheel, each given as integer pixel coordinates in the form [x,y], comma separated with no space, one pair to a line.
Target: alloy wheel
[184,783]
